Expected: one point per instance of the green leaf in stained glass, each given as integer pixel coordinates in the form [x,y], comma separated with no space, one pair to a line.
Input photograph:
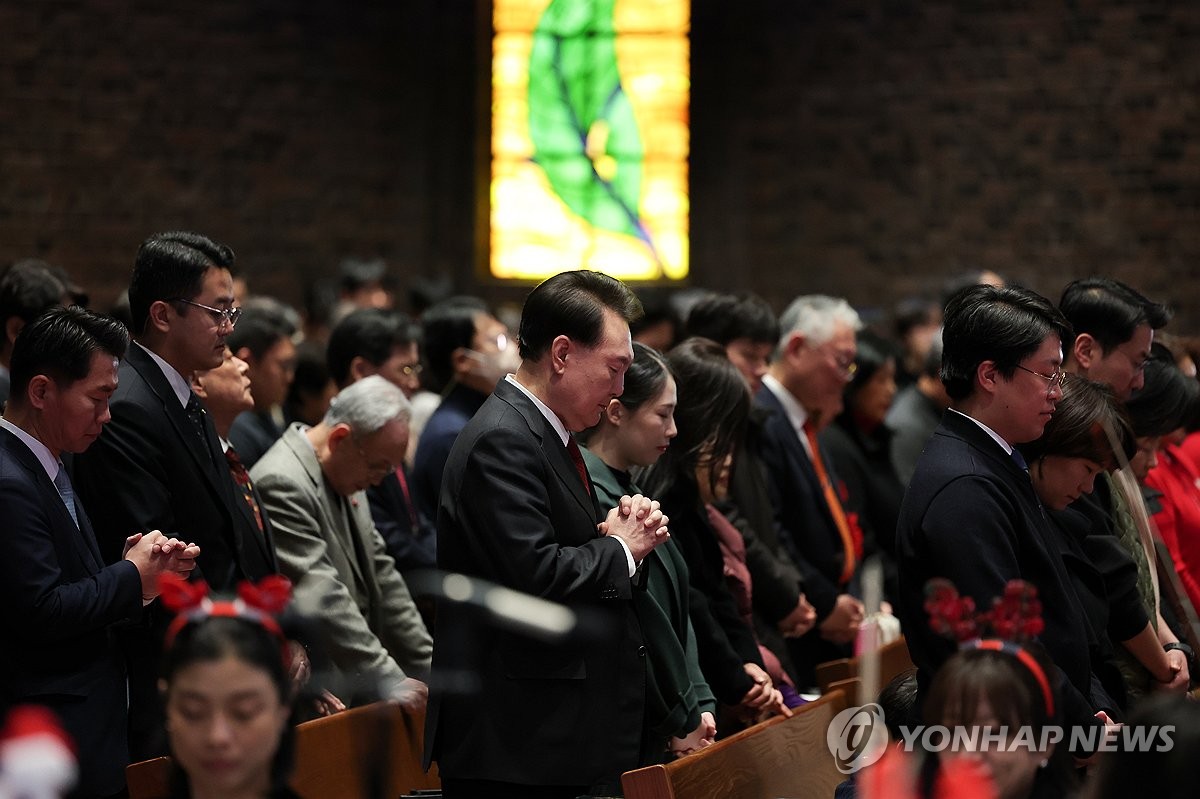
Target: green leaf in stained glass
[581,122]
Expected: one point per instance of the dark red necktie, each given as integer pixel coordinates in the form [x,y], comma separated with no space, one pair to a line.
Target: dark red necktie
[241,478]
[408,503]
[577,459]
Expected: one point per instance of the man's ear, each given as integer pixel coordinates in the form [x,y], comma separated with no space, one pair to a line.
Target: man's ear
[360,367]
[560,348]
[337,435]
[987,375]
[39,387]
[159,317]
[12,327]
[615,412]
[460,361]
[795,343]
[1086,350]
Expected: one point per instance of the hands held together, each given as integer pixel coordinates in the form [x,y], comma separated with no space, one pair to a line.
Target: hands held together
[638,522]
[154,554]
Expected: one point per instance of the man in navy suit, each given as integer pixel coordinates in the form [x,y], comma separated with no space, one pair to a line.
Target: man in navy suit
[58,601]
[970,514]
[517,508]
[802,392]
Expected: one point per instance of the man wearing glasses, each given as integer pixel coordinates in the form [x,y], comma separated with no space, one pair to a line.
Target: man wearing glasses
[970,514]
[159,465]
[801,393]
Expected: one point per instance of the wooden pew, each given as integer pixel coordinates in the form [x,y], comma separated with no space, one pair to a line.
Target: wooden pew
[777,758]
[332,757]
[893,660]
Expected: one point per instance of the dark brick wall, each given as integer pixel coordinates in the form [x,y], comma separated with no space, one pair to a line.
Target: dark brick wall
[869,149]
[872,149]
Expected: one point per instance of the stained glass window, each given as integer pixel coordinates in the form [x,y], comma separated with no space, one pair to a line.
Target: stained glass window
[590,138]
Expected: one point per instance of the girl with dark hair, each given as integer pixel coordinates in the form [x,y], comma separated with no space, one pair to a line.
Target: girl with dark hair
[713,403]
[228,699]
[1004,695]
[860,446]
[634,432]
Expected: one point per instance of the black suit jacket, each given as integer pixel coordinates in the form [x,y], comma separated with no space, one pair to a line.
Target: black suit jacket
[806,526]
[150,471]
[970,515]
[58,605]
[514,510]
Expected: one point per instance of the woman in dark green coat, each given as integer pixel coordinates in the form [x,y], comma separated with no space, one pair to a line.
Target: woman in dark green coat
[634,431]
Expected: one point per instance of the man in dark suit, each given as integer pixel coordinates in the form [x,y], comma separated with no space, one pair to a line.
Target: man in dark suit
[467,351]
[159,464]
[370,342]
[517,508]
[802,392]
[58,601]
[970,514]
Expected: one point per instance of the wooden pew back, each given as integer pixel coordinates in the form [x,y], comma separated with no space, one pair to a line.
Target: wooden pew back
[777,758]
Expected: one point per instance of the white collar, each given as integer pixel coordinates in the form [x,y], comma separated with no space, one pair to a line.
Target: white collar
[179,383]
[1007,447]
[40,450]
[550,415]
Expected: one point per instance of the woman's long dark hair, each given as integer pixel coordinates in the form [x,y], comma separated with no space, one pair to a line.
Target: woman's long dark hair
[214,638]
[1081,425]
[710,414]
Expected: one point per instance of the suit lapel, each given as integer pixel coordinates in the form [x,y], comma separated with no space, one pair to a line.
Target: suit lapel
[157,382]
[83,538]
[795,448]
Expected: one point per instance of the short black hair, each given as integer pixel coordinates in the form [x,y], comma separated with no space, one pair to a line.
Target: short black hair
[447,326]
[1167,400]
[27,289]
[1109,311]
[60,344]
[986,323]
[171,266]
[1080,426]
[725,317]
[368,333]
[572,304]
[264,321]
[357,273]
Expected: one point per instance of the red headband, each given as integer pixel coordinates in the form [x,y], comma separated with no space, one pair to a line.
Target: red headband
[1016,615]
[259,604]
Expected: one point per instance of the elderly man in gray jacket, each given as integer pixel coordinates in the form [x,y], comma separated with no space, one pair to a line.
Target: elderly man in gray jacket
[313,482]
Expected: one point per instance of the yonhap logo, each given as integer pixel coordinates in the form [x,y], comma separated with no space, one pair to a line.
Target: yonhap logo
[857,737]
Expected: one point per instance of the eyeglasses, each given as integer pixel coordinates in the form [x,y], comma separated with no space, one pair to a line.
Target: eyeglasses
[219,315]
[412,370]
[1052,381]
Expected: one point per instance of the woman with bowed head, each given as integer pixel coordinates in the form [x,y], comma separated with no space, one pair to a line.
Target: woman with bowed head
[227,692]
[634,432]
[713,403]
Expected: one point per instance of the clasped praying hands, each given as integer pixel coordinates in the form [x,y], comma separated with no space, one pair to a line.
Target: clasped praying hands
[638,521]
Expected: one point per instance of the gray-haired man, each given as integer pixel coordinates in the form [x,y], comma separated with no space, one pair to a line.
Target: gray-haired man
[312,483]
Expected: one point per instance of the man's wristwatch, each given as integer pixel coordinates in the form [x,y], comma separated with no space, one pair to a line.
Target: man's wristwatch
[1187,651]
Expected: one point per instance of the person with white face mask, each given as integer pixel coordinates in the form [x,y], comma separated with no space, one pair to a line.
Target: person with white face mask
[467,350]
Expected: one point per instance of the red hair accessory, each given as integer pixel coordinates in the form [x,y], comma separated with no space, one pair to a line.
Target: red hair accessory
[259,603]
[1016,615]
